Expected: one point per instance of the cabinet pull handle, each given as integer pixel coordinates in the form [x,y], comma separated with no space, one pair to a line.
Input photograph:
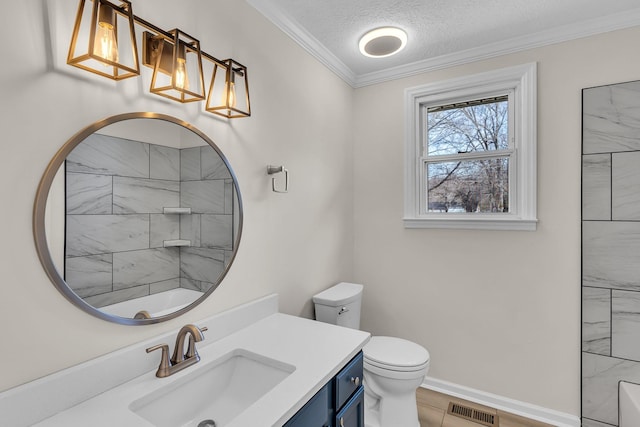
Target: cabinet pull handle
[356,381]
[341,421]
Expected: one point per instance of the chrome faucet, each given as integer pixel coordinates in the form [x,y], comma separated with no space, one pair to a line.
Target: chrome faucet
[179,360]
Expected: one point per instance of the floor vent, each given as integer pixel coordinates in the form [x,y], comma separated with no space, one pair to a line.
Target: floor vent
[473,415]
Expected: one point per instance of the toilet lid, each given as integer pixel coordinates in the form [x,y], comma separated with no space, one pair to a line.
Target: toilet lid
[395,353]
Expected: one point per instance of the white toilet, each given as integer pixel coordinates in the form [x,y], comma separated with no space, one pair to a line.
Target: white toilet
[393,368]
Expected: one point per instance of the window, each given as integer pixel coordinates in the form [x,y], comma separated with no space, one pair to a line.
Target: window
[471,152]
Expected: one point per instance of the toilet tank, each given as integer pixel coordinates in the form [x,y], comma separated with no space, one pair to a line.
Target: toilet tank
[340,305]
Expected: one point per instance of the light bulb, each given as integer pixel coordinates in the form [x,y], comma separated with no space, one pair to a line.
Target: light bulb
[229,94]
[105,45]
[180,75]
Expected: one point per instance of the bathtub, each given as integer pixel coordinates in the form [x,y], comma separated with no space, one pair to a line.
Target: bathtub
[629,404]
[157,305]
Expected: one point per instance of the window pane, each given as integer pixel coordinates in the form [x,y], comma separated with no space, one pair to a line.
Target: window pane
[468,186]
[468,127]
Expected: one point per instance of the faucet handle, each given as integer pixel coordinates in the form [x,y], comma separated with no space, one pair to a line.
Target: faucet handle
[163,368]
[191,348]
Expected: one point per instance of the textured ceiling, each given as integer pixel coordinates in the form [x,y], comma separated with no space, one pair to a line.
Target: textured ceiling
[438,28]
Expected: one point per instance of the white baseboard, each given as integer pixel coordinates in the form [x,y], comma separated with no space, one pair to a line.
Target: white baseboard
[523,409]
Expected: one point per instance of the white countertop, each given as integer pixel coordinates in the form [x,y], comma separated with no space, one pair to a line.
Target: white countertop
[316,350]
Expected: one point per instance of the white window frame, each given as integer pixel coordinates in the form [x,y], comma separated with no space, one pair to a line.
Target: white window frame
[520,83]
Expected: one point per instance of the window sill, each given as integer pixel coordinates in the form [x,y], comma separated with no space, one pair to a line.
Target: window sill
[466,223]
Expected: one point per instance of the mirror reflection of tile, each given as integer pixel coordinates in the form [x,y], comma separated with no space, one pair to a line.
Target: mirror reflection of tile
[116,190]
[610,247]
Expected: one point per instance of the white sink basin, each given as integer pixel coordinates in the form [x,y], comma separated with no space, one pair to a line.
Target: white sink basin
[219,391]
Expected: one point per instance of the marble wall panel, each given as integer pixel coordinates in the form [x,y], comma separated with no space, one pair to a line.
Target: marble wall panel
[600,377]
[89,194]
[118,296]
[610,248]
[596,187]
[229,191]
[145,266]
[213,167]
[164,163]
[201,264]
[197,285]
[107,155]
[203,196]
[135,195]
[611,118]
[625,197]
[625,325]
[611,254]
[163,227]
[190,228]
[586,422]
[190,169]
[217,231]
[190,284]
[206,286]
[165,285]
[228,255]
[89,275]
[596,320]
[99,234]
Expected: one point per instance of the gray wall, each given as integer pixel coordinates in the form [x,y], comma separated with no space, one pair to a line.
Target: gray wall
[610,247]
[116,190]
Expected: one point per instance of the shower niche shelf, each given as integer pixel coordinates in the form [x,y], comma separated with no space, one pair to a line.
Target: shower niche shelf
[176,243]
[177,211]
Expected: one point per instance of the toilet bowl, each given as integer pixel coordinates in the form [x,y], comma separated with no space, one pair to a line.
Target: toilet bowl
[393,367]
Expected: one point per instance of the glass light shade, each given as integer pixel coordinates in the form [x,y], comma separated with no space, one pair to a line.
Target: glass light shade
[104,40]
[229,90]
[177,71]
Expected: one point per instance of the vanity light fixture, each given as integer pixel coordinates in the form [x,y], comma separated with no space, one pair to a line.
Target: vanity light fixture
[176,58]
[382,42]
[183,79]
[229,90]
[106,31]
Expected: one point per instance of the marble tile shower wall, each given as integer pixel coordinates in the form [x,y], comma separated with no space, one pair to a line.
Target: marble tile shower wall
[610,248]
[116,190]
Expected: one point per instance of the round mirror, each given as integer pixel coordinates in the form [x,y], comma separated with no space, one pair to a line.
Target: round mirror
[138,218]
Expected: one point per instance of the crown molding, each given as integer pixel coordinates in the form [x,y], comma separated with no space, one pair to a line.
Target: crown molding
[301,36]
[561,34]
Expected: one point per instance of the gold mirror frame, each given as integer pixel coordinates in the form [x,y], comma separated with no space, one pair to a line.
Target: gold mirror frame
[42,195]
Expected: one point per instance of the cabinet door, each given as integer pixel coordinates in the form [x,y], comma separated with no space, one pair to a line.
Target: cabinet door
[352,413]
[318,412]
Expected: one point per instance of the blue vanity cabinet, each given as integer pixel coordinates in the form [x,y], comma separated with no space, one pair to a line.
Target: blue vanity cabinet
[318,411]
[340,403]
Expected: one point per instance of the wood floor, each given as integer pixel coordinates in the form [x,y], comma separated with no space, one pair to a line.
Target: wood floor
[432,411]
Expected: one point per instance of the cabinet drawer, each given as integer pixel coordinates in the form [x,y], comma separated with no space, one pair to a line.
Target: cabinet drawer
[352,414]
[348,381]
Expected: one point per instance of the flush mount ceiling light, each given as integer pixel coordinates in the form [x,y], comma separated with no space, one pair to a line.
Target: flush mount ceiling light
[383,42]
[104,43]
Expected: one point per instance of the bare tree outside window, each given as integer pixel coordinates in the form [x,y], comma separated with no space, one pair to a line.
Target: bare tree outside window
[467,151]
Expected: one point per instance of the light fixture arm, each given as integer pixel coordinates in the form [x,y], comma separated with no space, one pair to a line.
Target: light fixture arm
[170,37]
